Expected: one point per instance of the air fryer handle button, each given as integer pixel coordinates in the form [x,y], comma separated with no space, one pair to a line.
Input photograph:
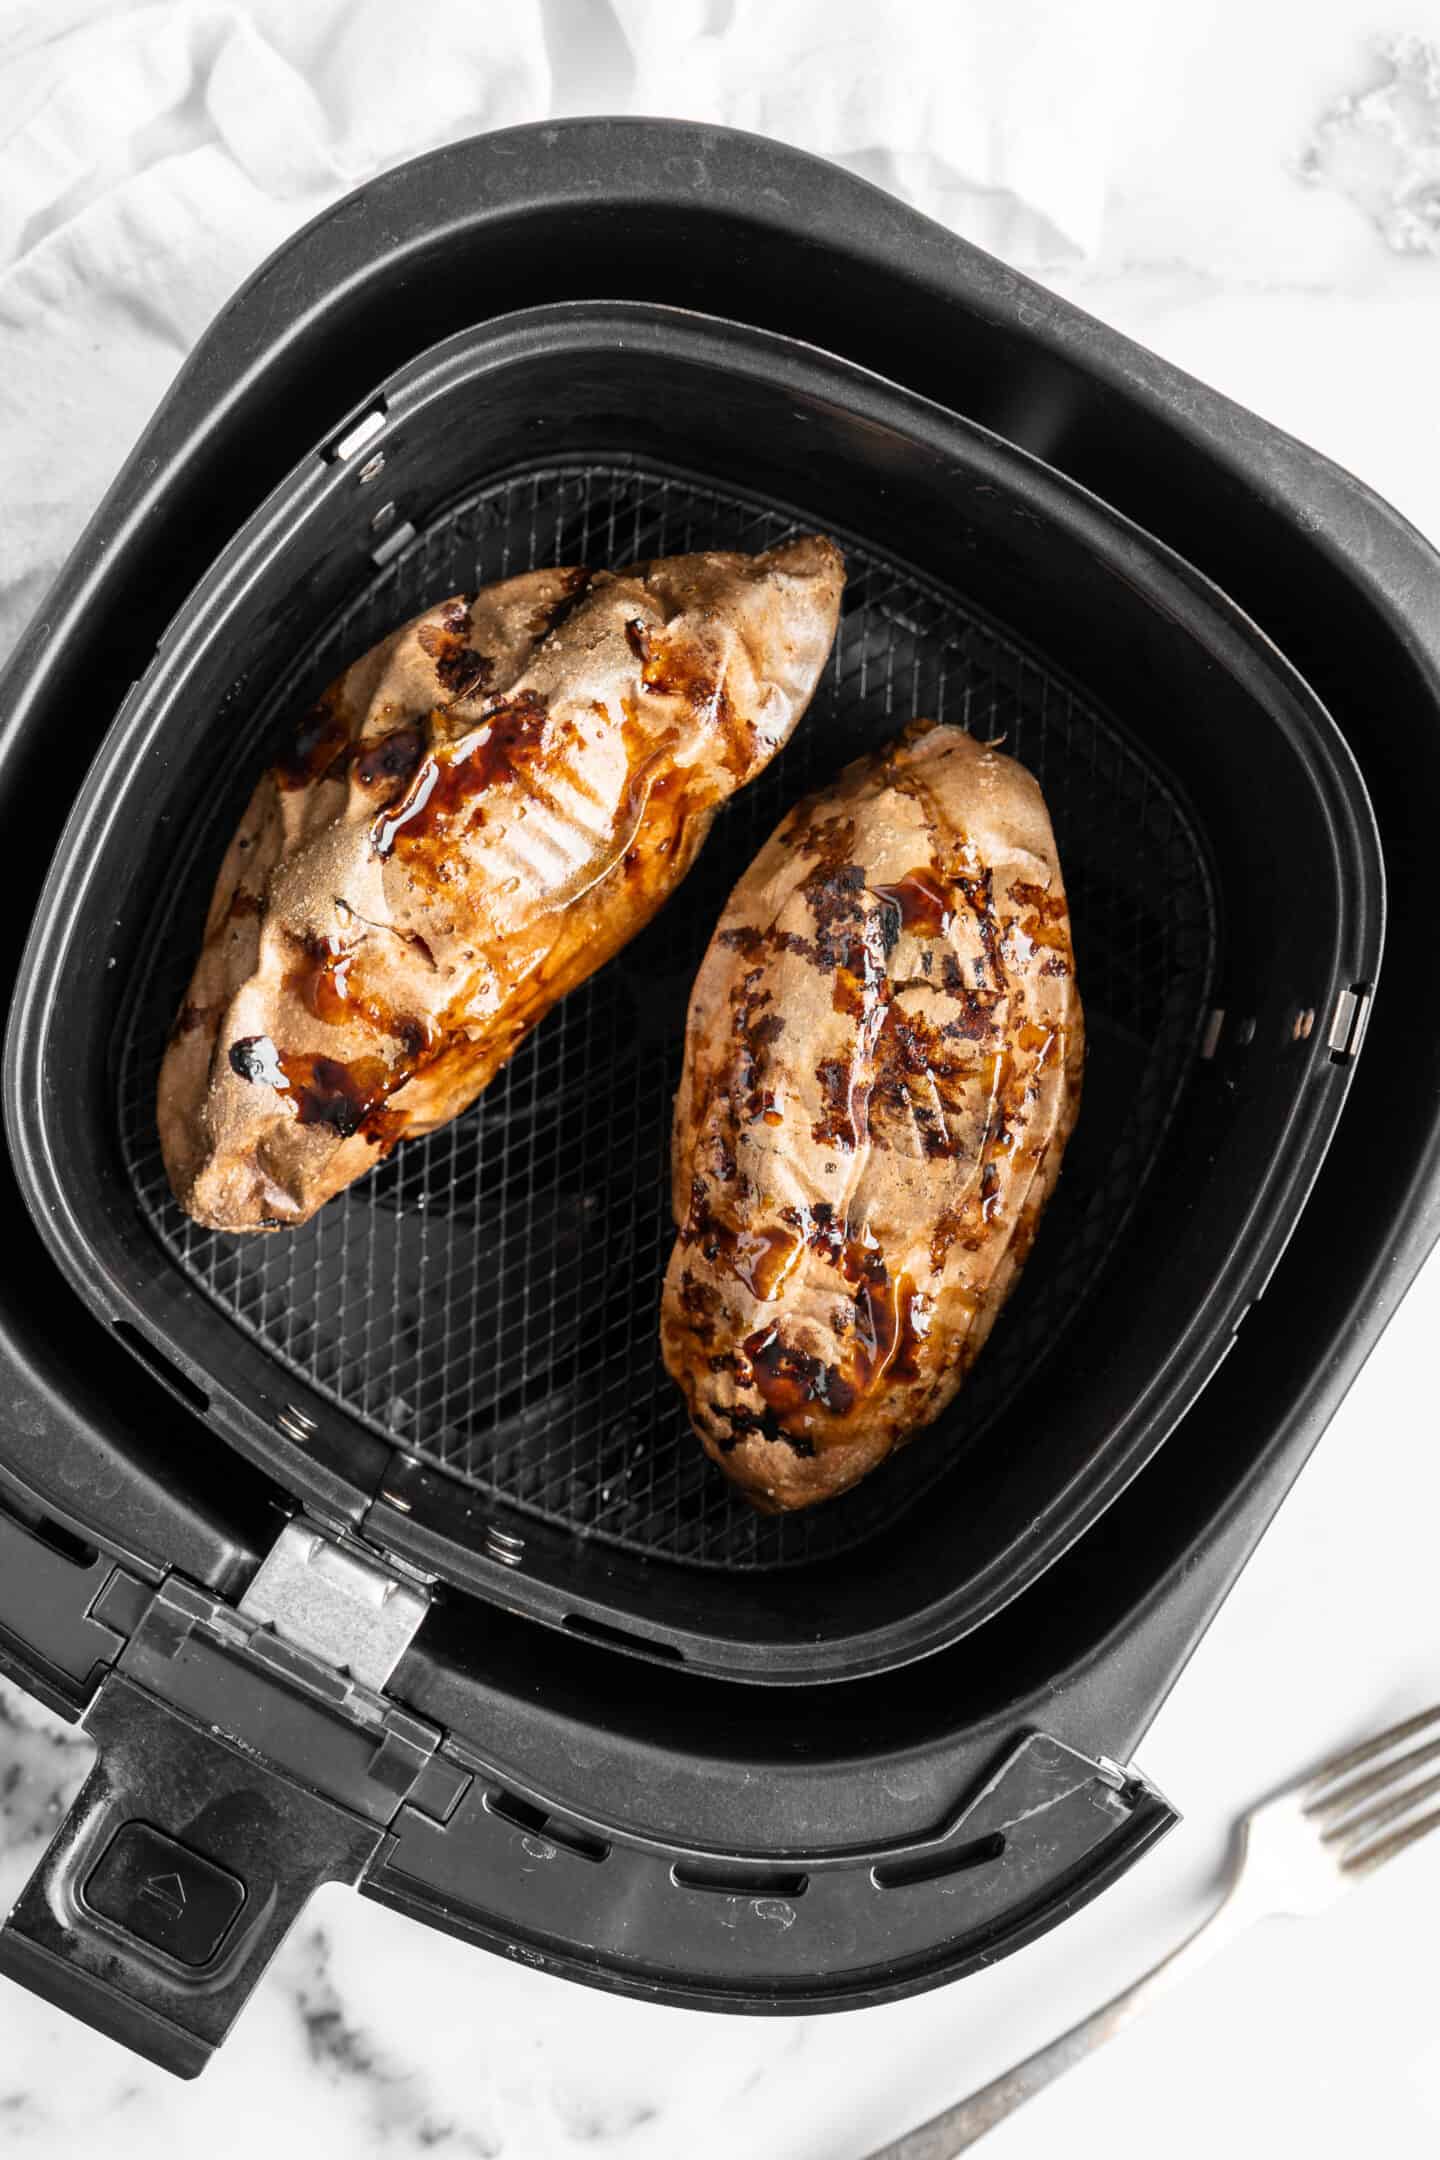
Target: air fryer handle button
[164,1893]
[173,1879]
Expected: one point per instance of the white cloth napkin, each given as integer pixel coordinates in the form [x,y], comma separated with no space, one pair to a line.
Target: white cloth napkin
[152,156]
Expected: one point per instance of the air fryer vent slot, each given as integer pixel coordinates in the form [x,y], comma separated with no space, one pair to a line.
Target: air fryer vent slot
[939,1866]
[55,1536]
[738,1881]
[164,1368]
[524,1815]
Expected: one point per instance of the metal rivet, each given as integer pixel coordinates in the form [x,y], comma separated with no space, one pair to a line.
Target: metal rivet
[1348,1023]
[1304,1023]
[296,1424]
[396,1501]
[365,429]
[372,468]
[499,1545]
[382,516]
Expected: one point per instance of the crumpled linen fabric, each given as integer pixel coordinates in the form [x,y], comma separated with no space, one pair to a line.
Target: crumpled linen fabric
[152,155]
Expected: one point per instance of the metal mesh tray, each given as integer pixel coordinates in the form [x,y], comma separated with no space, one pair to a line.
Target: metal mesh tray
[488,1298]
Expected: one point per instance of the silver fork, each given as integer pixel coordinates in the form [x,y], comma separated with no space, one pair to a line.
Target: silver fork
[1294,1854]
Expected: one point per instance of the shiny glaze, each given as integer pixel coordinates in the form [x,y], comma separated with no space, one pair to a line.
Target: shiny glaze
[328,1091]
[922,903]
[446,789]
[327,978]
[759,1260]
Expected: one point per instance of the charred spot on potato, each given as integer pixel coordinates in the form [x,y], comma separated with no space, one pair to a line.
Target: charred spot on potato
[459,668]
[804,948]
[188,1019]
[745,940]
[446,631]
[979,892]
[464,673]
[722,1159]
[832,894]
[255,1058]
[390,757]
[574,584]
[699,1300]
[344,1097]
[726,1441]
[934,1139]
[319,748]
[789,1380]
[835,1127]
[412,1035]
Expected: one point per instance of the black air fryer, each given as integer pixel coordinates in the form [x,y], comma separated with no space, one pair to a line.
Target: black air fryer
[379,1551]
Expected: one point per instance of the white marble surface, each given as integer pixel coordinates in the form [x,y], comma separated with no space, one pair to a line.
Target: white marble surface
[1269,217]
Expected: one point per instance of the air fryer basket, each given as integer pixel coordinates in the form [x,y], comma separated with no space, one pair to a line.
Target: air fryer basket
[464,1344]
[487,1298]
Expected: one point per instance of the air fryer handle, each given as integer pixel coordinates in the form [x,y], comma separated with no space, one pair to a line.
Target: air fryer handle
[172,1881]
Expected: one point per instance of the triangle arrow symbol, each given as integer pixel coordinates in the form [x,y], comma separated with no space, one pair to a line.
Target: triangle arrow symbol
[167,1890]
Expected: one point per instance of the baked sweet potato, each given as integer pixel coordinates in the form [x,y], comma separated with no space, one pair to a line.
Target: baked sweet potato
[882,1066]
[474,817]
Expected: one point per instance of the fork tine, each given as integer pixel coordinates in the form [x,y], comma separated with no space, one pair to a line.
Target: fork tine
[1353,1757]
[1349,1829]
[1340,1797]
[1373,1856]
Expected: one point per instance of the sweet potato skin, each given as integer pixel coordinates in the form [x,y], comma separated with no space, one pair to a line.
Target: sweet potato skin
[883,1064]
[474,817]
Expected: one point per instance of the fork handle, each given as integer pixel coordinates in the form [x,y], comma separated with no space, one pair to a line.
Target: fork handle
[961,2126]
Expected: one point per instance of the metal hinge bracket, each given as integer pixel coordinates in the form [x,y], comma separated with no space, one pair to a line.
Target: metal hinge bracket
[336,1603]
